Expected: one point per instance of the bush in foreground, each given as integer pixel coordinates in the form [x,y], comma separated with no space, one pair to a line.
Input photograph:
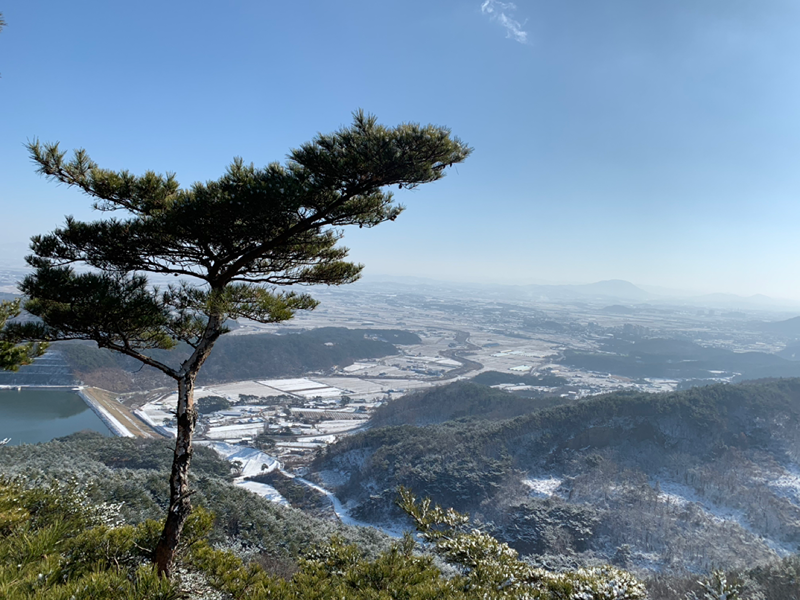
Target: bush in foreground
[55,544]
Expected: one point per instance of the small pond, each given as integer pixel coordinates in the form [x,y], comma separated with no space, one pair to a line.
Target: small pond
[34,415]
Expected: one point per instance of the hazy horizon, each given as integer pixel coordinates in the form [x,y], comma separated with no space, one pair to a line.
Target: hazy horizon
[654,143]
[658,292]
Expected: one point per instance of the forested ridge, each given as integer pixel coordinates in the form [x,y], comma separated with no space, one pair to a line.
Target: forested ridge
[457,401]
[77,522]
[131,471]
[606,507]
[678,359]
[240,357]
[695,479]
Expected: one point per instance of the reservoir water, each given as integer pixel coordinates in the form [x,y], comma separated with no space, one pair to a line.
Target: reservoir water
[29,416]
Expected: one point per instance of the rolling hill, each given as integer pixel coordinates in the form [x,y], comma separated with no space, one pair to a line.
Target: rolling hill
[235,357]
[685,480]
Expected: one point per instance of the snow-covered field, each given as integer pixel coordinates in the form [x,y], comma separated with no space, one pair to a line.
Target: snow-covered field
[445,362]
[238,431]
[303,387]
[232,390]
[339,426]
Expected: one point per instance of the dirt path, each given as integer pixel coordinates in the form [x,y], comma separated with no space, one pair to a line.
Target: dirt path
[120,412]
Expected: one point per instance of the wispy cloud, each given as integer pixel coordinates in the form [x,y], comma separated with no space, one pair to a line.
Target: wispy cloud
[499,11]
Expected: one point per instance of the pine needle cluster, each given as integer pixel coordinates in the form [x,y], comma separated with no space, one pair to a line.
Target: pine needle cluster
[12,353]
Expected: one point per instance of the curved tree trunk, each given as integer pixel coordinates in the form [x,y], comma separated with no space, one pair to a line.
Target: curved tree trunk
[179,502]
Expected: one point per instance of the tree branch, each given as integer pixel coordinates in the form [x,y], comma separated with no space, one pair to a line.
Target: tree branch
[125,348]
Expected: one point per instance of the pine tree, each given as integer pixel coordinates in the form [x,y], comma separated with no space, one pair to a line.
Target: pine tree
[233,243]
[495,569]
[13,354]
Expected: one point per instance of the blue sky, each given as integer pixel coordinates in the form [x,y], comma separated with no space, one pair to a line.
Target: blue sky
[654,141]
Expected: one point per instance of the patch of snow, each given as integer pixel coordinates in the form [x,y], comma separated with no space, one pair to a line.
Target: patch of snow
[650,561]
[681,495]
[543,488]
[343,514]
[299,445]
[333,478]
[323,439]
[446,362]
[264,490]
[354,459]
[788,485]
[144,417]
[340,426]
[252,460]
[105,416]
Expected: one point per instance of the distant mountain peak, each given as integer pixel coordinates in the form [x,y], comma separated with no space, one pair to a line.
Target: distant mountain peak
[616,288]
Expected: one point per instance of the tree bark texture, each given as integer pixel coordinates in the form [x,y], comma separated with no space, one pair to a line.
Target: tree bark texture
[179,494]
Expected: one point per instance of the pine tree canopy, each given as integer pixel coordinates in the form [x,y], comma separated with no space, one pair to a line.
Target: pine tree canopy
[231,241]
[12,354]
